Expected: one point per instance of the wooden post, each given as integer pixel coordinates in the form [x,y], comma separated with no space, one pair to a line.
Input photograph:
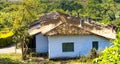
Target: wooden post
[22,45]
[15,48]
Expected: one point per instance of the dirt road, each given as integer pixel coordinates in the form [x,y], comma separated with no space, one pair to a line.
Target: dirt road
[10,49]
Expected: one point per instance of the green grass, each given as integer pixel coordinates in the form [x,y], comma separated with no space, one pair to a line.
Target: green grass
[16,59]
[11,56]
[11,59]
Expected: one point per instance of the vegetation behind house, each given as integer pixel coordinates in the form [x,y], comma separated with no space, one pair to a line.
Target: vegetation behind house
[15,17]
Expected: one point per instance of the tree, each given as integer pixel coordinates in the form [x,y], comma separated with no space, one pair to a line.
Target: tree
[77,6]
[29,12]
[15,18]
[70,6]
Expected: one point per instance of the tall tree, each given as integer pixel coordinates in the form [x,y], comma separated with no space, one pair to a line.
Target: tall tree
[15,19]
[70,6]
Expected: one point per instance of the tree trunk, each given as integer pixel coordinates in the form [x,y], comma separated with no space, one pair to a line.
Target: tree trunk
[22,46]
[77,14]
[24,49]
[70,14]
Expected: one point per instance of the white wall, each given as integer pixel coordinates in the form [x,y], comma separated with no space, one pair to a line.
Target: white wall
[41,44]
[82,45]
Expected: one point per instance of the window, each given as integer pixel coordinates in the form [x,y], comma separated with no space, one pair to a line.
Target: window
[68,47]
[95,45]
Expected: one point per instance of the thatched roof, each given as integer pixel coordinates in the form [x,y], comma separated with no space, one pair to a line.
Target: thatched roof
[57,23]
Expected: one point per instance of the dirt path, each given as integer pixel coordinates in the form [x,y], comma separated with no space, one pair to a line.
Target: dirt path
[10,49]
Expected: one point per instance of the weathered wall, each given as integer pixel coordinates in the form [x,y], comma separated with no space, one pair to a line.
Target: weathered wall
[41,44]
[82,45]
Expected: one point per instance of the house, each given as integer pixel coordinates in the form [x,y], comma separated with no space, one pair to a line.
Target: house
[60,35]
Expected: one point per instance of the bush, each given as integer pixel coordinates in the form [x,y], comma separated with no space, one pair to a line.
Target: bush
[94,53]
[110,55]
[5,42]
